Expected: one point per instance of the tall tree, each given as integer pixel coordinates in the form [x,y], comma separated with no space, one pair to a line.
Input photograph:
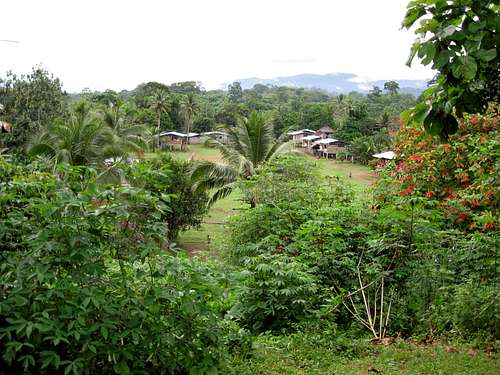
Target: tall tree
[119,135]
[375,92]
[235,92]
[251,143]
[159,103]
[75,141]
[30,102]
[189,108]
[392,87]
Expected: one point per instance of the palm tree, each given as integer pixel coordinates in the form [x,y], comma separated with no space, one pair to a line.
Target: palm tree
[88,139]
[119,135]
[251,143]
[189,110]
[158,102]
[75,141]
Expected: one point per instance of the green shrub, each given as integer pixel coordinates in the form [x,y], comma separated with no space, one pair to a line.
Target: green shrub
[275,291]
[169,179]
[86,287]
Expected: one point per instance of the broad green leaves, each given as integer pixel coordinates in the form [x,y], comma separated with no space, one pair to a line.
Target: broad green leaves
[486,55]
[460,40]
[86,285]
[443,58]
[464,67]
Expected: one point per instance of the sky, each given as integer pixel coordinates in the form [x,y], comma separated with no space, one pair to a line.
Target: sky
[118,44]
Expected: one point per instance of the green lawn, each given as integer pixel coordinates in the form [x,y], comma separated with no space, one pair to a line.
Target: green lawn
[360,174]
[205,239]
[194,152]
[210,235]
[287,355]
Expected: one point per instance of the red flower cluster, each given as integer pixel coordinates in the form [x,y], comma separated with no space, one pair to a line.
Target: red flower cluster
[461,174]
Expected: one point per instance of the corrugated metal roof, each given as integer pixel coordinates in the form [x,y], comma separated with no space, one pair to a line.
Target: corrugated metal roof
[302,131]
[389,155]
[326,141]
[177,134]
[214,132]
[311,137]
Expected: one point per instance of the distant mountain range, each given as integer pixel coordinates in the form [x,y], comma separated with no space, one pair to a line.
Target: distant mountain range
[334,83]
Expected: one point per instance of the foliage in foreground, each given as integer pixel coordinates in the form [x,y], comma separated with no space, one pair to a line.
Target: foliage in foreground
[169,180]
[86,286]
[462,175]
[418,274]
[251,143]
[460,40]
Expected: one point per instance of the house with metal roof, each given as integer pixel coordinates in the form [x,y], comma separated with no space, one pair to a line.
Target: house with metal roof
[297,135]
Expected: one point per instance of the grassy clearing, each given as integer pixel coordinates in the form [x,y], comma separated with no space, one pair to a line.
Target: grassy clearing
[302,355]
[360,174]
[212,231]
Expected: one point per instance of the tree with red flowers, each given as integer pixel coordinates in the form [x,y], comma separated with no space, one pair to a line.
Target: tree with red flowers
[463,175]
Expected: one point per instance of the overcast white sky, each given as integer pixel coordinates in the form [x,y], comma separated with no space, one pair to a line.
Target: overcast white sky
[116,44]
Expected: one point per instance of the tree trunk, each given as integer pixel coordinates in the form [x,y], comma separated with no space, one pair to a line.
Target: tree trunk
[158,131]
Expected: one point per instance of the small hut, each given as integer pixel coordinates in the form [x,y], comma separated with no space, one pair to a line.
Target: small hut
[324,132]
[176,138]
[383,159]
[297,135]
[308,140]
[328,147]
[222,137]
[387,155]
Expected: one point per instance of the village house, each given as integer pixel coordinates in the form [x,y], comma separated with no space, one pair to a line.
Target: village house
[297,136]
[324,132]
[328,148]
[308,140]
[173,139]
[222,137]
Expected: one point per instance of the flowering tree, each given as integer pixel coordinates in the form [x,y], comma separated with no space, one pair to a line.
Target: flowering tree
[462,176]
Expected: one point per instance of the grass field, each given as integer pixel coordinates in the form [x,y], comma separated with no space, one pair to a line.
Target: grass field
[301,355]
[211,232]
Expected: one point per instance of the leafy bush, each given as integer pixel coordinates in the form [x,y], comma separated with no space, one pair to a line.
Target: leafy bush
[279,283]
[275,291]
[287,177]
[474,309]
[86,288]
[169,179]
[448,285]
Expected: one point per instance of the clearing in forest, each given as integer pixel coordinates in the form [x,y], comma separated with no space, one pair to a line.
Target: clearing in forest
[212,229]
